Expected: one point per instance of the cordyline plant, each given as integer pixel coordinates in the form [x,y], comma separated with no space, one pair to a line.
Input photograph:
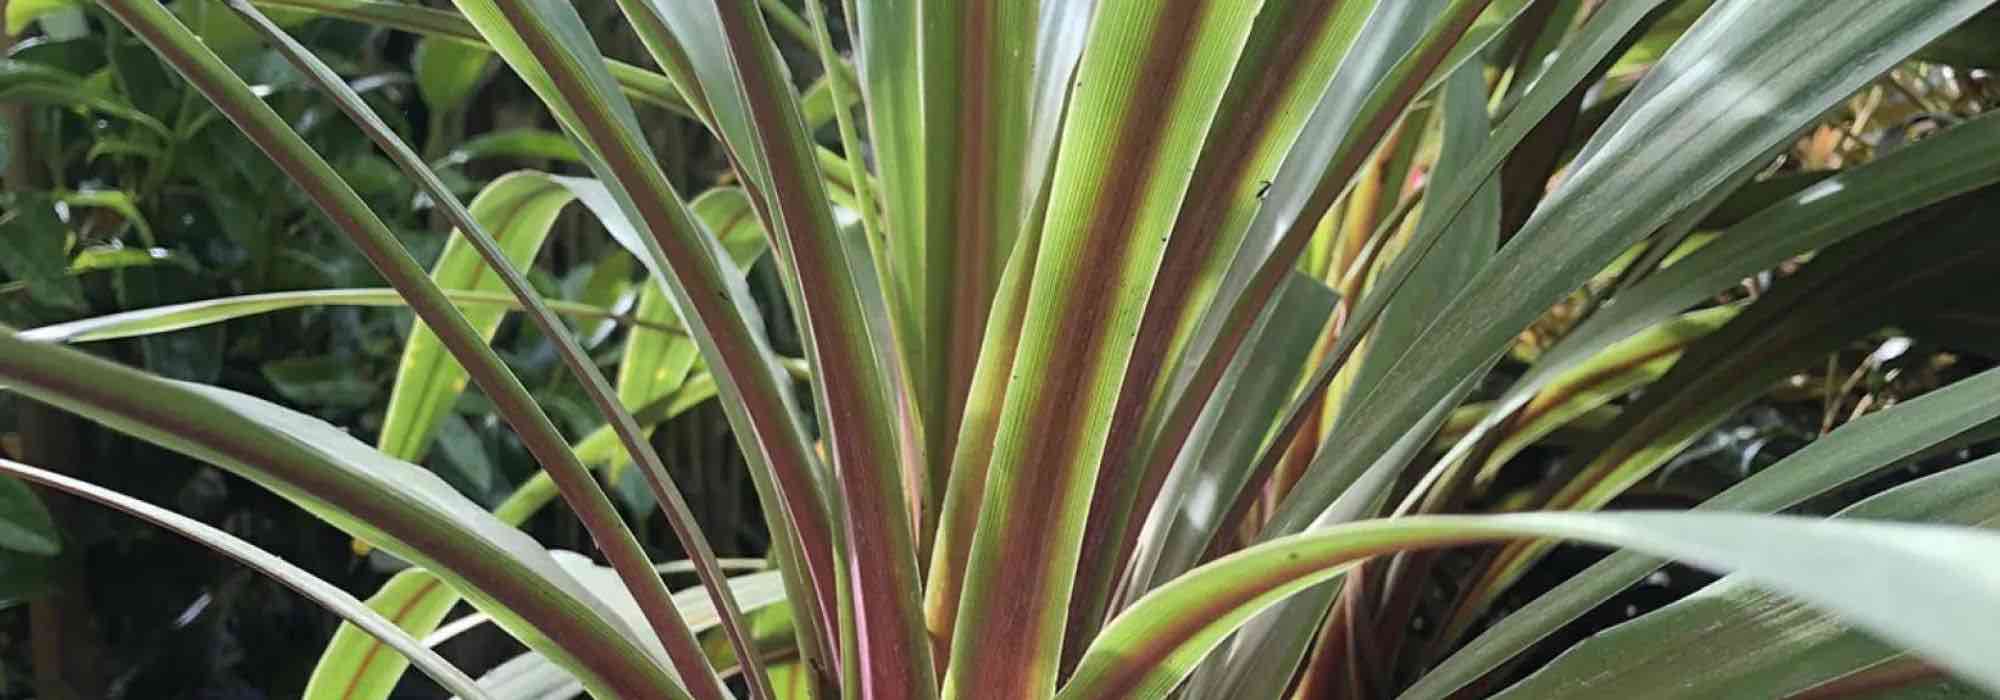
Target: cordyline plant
[1151,348]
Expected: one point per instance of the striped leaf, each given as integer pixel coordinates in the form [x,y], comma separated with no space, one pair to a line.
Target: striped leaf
[1137,120]
[1842,566]
[1287,63]
[1565,242]
[859,388]
[391,503]
[318,590]
[1752,642]
[1847,291]
[638,83]
[545,43]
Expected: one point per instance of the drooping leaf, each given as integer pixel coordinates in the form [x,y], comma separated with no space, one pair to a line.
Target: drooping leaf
[1860,447]
[1852,289]
[318,590]
[1843,566]
[391,503]
[1627,365]
[754,592]
[353,667]
[1748,641]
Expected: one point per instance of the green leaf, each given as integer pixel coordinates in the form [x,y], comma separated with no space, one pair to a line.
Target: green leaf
[33,83]
[1834,209]
[1750,642]
[34,249]
[1842,566]
[1059,37]
[521,144]
[641,84]
[391,503]
[314,588]
[1622,188]
[656,362]
[1270,653]
[955,197]
[338,201]
[21,12]
[713,299]
[118,257]
[519,209]
[1220,457]
[1971,45]
[25,525]
[321,380]
[754,592]
[117,201]
[448,72]
[194,314]
[1861,447]
[1351,120]
[1847,291]
[861,388]
[1624,366]
[195,354]
[23,577]
[1400,50]
[965,495]
[1296,53]
[465,455]
[353,666]
[1130,141]
[678,643]
[1442,202]
[351,653]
